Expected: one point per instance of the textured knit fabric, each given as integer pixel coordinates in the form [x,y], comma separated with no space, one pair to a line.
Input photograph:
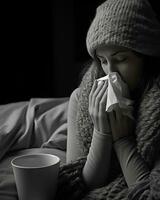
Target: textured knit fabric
[71,185]
[97,166]
[147,137]
[127,23]
[147,133]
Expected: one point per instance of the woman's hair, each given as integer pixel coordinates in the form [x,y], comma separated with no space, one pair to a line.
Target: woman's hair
[151,72]
[85,68]
[87,65]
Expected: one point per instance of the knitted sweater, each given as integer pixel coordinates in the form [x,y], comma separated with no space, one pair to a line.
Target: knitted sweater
[147,135]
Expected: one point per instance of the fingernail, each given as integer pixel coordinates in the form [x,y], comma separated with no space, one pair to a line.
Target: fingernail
[100,82]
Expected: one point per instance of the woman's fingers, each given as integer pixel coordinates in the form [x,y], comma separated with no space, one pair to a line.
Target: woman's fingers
[115,116]
[93,94]
[112,117]
[98,95]
[118,113]
[103,97]
[98,89]
[92,91]
[97,103]
[101,93]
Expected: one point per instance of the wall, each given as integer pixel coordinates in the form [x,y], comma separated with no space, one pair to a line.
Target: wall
[43,47]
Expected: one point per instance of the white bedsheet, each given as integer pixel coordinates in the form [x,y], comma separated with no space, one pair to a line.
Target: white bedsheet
[39,125]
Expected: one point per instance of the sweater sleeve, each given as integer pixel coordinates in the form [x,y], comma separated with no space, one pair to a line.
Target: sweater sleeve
[73,146]
[147,188]
[96,168]
[133,166]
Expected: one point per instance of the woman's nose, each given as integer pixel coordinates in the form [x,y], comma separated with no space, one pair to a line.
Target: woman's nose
[111,67]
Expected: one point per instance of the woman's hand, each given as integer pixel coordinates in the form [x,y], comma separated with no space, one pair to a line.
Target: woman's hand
[121,125]
[97,105]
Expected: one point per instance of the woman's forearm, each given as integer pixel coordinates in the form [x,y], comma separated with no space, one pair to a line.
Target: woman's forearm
[133,166]
[96,169]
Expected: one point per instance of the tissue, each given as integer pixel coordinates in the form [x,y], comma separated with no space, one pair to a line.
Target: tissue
[117,94]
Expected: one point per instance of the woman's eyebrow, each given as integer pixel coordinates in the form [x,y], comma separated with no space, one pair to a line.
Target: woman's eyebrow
[121,51]
[113,54]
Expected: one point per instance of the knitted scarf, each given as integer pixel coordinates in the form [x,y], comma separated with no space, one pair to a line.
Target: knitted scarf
[147,136]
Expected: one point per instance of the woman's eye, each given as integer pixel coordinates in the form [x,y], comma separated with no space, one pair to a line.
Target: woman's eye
[103,61]
[121,58]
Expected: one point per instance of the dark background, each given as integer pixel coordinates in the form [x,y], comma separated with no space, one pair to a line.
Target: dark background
[43,47]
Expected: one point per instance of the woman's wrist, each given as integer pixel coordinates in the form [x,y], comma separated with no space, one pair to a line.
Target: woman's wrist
[125,137]
[103,132]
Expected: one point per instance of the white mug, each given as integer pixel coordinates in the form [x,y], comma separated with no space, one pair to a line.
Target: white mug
[36,176]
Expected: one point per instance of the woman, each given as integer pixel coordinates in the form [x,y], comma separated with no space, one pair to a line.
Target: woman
[119,157]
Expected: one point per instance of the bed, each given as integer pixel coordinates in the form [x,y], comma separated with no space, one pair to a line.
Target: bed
[37,125]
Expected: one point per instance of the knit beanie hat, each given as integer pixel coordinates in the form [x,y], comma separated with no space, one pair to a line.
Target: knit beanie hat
[128,23]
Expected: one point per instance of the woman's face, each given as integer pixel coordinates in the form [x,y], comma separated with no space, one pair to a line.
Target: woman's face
[128,64]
